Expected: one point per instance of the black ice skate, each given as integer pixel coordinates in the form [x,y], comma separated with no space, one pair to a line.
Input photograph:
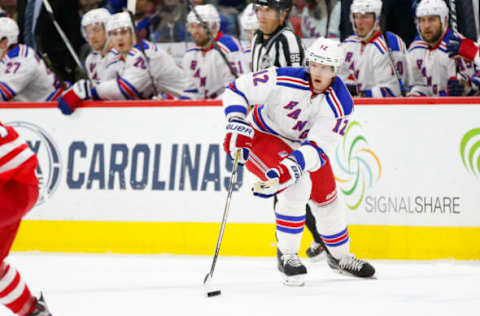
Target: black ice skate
[351,265]
[41,308]
[315,252]
[292,269]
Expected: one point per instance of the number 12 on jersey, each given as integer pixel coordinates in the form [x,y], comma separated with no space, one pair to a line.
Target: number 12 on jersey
[340,126]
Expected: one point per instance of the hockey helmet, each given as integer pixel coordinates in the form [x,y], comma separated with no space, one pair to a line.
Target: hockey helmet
[325,51]
[249,19]
[433,7]
[207,12]
[120,20]
[281,5]
[9,30]
[101,16]
[363,7]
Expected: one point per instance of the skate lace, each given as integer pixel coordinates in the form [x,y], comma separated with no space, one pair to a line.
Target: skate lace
[351,263]
[292,260]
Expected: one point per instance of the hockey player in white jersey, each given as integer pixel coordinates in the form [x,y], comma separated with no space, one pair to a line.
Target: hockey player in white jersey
[275,44]
[23,74]
[137,77]
[432,71]
[206,70]
[249,23]
[369,64]
[299,116]
[94,24]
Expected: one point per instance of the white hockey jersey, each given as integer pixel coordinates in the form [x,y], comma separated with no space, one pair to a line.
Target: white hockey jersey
[133,80]
[25,77]
[325,25]
[430,68]
[246,65]
[206,70]
[368,65]
[101,68]
[314,124]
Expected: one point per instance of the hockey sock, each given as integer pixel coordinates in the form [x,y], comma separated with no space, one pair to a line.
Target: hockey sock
[331,225]
[289,232]
[14,293]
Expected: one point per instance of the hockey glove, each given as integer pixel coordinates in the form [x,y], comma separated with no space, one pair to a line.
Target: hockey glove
[239,136]
[72,98]
[455,87]
[288,172]
[462,47]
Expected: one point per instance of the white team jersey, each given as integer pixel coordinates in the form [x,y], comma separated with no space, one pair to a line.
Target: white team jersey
[133,80]
[368,65]
[288,109]
[283,49]
[206,70]
[101,68]
[25,77]
[324,26]
[430,68]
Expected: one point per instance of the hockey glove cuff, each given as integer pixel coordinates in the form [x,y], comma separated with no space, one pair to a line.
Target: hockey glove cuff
[72,98]
[239,136]
[288,172]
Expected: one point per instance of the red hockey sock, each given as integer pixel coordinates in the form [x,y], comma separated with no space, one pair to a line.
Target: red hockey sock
[14,293]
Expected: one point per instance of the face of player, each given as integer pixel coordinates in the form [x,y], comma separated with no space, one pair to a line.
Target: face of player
[430,28]
[364,23]
[122,40]
[3,47]
[268,19]
[199,34]
[96,36]
[321,76]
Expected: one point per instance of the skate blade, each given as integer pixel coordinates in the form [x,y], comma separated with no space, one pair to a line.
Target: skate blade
[296,280]
[318,258]
[343,272]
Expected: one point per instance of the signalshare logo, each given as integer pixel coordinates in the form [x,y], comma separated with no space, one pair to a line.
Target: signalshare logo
[357,166]
[470,151]
[49,160]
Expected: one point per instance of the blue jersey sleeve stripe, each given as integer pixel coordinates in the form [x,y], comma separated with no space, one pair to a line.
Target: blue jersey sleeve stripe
[299,158]
[295,72]
[393,41]
[379,48]
[235,109]
[343,96]
[191,91]
[233,87]
[229,43]
[332,106]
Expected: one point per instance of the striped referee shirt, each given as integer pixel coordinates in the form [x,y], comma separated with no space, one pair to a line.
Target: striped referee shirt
[282,49]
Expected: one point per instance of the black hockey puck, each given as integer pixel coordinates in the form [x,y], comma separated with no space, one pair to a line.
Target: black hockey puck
[214,293]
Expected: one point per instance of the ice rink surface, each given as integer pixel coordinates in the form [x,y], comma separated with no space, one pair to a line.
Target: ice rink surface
[131,285]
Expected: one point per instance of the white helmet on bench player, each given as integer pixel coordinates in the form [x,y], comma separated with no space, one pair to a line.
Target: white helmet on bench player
[119,21]
[207,12]
[9,30]
[433,7]
[95,16]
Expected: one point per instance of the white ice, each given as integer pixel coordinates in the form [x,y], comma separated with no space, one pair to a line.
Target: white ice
[131,285]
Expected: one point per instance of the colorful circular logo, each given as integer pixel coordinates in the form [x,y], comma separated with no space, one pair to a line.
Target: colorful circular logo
[470,151]
[357,166]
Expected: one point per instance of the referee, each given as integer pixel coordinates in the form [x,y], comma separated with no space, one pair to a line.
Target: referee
[274,44]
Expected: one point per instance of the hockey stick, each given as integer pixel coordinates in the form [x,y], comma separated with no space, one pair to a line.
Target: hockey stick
[212,39]
[131,7]
[389,52]
[67,43]
[453,15]
[233,180]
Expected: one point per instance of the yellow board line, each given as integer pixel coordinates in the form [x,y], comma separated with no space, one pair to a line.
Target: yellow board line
[240,239]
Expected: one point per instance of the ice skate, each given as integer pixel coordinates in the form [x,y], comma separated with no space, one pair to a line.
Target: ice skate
[292,269]
[315,252]
[352,266]
[41,308]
